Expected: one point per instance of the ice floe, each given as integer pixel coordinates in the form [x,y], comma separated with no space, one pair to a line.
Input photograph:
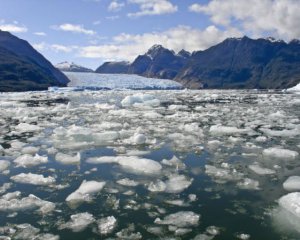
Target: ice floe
[28,160]
[34,179]
[27,203]
[85,192]
[280,153]
[78,222]
[107,225]
[180,219]
[292,184]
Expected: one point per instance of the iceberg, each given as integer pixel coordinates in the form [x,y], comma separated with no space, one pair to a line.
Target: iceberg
[292,184]
[34,179]
[107,225]
[79,222]
[85,192]
[180,219]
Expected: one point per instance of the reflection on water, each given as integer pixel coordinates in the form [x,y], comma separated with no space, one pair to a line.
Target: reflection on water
[148,165]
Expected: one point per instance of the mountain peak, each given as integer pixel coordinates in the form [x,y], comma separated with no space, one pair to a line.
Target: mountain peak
[183,53]
[71,67]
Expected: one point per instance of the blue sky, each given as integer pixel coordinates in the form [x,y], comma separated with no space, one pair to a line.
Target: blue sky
[89,32]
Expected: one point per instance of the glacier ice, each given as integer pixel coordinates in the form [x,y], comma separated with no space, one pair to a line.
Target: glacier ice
[180,219]
[292,184]
[85,192]
[34,179]
[28,160]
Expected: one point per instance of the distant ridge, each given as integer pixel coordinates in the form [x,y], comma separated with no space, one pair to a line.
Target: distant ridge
[240,63]
[22,68]
[72,67]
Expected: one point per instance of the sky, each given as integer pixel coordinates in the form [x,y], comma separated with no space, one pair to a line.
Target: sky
[90,32]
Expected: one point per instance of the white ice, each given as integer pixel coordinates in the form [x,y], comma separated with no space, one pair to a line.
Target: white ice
[292,184]
[34,179]
[180,219]
[79,222]
[280,153]
[28,160]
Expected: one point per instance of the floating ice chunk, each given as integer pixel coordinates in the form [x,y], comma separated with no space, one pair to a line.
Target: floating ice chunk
[128,233]
[174,162]
[226,130]
[139,138]
[85,191]
[100,160]
[260,170]
[223,174]
[213,230]
[27,203]
[243,236]
[46,236]
[79,222]
[177,183]
[5,187]
[158,186]
[30,161]
[30,150]
[4,165]
[203,237]
[281,133]
[292,184]
[26,231]
[127,182]
[249,183]
[177,202]
[291,203]
[34,179]
[180,219]
[68,159]
[107,225]
[140,165]
[12,195]
[280,153]
[177,107]
[25,127]
[140,98]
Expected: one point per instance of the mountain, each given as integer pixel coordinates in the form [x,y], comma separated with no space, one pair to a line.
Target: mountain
[113,67]
[244,63]
[22,68]
[72,67]
[234,63]
[159,62]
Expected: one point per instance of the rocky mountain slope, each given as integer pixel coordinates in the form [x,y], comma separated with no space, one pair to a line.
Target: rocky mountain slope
[22,68]
[233,63]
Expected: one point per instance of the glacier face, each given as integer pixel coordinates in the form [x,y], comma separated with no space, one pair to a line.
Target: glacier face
[118,81]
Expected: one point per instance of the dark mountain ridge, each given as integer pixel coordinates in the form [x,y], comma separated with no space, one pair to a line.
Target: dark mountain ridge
[233,63]
[22,68]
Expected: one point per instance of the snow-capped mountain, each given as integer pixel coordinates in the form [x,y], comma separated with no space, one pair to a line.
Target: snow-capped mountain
[72,67]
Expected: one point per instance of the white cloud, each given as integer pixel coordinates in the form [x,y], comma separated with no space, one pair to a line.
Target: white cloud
[127,46]
[54,47]
[67,27]
[42,34]
[13,27]
[112,18]
[115,6]
[153,7]
[276,17]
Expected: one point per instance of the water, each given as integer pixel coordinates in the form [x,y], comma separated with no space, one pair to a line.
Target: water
[189,126]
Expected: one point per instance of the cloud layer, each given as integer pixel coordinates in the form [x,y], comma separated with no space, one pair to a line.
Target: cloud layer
[153,7]
[127,46]
[68,27]
[280,18]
